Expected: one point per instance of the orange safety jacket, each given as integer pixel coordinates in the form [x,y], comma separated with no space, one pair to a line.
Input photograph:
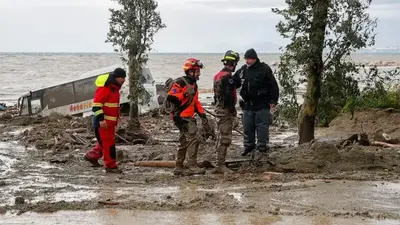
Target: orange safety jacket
[106,99]
[177,94]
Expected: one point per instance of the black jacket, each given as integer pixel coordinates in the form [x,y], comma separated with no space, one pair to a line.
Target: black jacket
[259,87]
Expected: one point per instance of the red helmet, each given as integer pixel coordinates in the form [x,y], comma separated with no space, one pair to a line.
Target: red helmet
[192,64]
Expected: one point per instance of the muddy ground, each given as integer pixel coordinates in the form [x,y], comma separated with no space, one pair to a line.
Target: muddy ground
[48,174]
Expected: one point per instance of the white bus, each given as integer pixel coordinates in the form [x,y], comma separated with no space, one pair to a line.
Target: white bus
[75,97]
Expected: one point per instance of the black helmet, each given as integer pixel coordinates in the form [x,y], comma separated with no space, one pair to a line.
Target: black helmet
[230,56]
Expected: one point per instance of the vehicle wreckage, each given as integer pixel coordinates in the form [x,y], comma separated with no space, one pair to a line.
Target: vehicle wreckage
[75,97]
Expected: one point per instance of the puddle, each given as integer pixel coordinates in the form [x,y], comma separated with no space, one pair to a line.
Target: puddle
[9,152]
[237,196]
[75,196]
[19,131]
[121,217]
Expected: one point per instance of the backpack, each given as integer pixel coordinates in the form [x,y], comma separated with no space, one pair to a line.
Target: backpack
[170,107]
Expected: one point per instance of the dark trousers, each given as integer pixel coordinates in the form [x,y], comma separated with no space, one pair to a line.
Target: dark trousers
[256,122]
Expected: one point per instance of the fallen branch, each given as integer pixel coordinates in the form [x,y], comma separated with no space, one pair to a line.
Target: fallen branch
[165,140]
[212,114]
[168,164]
[119,136]
[77,130]
[79,139]
[384,144]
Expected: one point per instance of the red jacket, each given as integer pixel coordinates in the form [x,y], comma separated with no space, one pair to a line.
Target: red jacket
[177,95]
[106,99]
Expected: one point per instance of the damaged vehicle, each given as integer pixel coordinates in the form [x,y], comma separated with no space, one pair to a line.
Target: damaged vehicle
[75,97]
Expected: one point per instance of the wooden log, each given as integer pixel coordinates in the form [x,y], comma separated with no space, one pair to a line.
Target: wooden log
[76,130]
[384,144]
[168,164]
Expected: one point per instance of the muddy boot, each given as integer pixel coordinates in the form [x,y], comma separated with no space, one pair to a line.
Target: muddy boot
[113,170]
[194,170]
[94,162]
[221,156]
[179,171]
[221,170]
[247,150]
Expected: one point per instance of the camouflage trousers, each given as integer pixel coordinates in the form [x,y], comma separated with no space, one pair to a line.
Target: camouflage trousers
[226,121]
[188,142]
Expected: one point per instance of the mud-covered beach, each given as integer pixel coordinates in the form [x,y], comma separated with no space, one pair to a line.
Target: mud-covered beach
[337,176]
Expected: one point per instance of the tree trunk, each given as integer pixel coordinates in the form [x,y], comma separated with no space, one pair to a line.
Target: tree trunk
[315,67]
[134,70]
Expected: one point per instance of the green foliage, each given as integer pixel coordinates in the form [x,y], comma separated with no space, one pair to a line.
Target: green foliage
[132,30]
[348,28]
[380,91]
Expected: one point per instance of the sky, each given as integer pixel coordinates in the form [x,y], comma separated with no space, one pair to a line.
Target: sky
[192,25]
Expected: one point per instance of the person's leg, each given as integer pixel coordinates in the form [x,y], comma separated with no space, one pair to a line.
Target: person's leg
[96,152]
[107,137]
[180,155]
[192,146]
[225,126]
[262,126]
[249,129]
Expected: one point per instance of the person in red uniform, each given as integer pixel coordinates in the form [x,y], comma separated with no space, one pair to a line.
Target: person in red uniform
[184,95]
[106,110]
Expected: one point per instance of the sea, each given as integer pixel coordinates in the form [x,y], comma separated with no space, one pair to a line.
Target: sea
[23,72]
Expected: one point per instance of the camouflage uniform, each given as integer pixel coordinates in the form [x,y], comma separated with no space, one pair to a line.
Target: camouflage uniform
[225,100]
[188,142]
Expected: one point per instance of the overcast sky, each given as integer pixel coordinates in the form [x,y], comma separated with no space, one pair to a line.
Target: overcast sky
[192,25]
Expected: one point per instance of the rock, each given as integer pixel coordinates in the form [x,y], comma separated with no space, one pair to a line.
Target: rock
[274,155]
[2,183]
[19,201]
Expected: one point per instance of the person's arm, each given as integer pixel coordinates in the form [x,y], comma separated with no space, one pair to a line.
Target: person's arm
[199,108]
[100,97]
[272,85]
[237,79]
[227,90]
[175,94]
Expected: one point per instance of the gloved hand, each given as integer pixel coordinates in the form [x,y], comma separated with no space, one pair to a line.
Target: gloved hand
[204,119]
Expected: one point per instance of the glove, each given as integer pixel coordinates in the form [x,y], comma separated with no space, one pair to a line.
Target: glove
[204,119]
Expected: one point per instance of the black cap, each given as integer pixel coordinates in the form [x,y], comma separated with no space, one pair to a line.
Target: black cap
[119,72]
[251,54]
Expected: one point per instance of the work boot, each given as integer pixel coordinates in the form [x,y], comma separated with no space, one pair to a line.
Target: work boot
[263,149]
[179,171]
[221,170]
[247,150]
[193,170]
[221,157]
[113,170]
[94,162]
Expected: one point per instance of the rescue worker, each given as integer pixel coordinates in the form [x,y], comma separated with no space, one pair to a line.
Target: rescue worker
[225,85]
[260,93]
[106,110]
[185,96]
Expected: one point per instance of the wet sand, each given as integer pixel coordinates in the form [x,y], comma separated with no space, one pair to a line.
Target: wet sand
[317,183]
[121,217]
